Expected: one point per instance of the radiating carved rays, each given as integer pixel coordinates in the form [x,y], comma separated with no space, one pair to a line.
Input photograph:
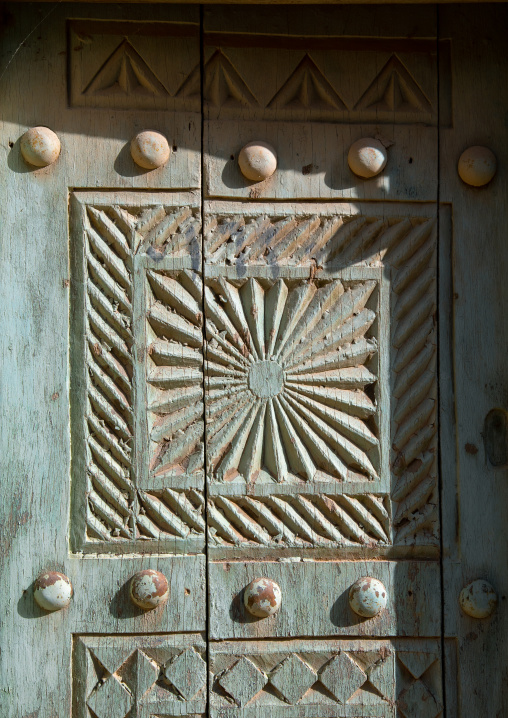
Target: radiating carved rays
[175,374]
[287,376]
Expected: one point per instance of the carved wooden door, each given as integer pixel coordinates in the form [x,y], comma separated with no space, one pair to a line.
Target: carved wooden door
[245,374]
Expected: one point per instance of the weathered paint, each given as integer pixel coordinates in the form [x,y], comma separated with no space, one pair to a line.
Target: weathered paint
[149,589]
[368,597]
[53,590]
[262,597]
[150,149]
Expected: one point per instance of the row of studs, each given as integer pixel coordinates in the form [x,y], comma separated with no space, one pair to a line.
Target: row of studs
[262,597]
[367,157]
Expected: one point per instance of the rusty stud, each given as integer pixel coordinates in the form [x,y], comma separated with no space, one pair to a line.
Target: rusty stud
[477,166]
[257,161]
[367,157]
[150,150]
[367,597]
[148,589]
[40,146]
[52,590]
[478,599]
[262,597]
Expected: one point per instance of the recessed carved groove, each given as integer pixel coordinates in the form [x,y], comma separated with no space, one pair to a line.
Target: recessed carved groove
[118,243]
[298,520]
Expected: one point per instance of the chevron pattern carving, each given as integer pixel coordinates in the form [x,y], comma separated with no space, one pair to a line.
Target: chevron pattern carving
[299,521]
[120,508]
[347,674]
[414,391]
[290,378]
[303,240]
[109,364]
[170,514]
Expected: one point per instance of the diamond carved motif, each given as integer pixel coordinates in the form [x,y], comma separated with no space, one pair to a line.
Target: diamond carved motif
[418,702]
[110,700]
[187,673]
[243,681]
[342,677]
[293,678]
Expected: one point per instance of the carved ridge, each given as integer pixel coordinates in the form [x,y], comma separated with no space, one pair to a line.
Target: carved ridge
[299,520]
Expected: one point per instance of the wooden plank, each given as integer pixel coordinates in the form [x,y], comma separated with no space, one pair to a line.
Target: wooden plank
[34,345]
[95,144]
[315,599]
[477,520]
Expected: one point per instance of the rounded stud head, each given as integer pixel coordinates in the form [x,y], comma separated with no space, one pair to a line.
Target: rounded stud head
[148,589]
[40,146]
[150,150]
[478,599]
[367,597]
[257,161]
[262,597]
[477,166]
[367,157]
[53,590]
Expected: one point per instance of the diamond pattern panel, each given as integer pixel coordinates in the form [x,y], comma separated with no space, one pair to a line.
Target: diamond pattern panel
[159,675]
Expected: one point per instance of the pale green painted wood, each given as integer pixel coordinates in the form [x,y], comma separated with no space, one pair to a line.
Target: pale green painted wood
[475,536]
[35,290]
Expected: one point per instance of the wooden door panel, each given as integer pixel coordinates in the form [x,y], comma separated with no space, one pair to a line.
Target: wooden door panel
[475,494]
[334,459]
[315,599]
[78,348]
[327,678]
[136,259]
[284,379]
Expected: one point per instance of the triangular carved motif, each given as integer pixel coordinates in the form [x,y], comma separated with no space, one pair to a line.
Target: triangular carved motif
[416,662]
[394,90]
[125,73]
[223,86]
[111,658]
[307,88]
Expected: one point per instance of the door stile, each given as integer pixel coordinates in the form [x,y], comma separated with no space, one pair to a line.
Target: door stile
[312,180]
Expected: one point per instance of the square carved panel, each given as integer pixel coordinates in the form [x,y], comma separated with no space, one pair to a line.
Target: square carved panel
[139,676]
[299,376]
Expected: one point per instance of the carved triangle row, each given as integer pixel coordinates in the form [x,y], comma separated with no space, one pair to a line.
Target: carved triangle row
[125,73]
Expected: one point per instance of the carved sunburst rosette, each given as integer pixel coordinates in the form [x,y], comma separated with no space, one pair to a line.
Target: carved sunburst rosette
[290,372]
